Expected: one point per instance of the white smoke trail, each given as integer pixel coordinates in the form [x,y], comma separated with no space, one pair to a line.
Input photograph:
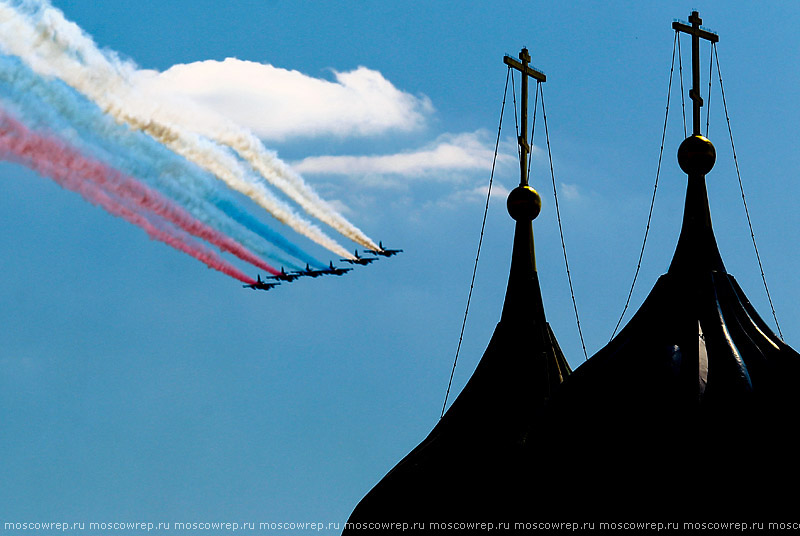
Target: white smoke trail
[270,167]
[54,46]
[219,128]
[50,105]
[106,66]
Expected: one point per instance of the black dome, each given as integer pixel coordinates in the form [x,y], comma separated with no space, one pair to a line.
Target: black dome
[475,463]
[687,409]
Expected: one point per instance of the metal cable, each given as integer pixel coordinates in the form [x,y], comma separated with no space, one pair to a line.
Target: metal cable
[741,189]
[680,72]
[514,98]
[710,72]
[560,230]
[655,186]
[533,127]
[480,242]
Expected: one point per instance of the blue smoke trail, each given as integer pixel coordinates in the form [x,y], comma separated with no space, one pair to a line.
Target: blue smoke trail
[255,225]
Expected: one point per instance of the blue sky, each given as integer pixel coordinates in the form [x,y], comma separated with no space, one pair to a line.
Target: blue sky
[138,385]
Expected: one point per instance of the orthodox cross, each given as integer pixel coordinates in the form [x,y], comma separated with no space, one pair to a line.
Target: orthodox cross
[522,66]
[697,33]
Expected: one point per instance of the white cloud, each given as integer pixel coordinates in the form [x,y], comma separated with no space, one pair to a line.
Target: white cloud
[471,195]
[449,152]
[277,103]
[570,191]
[499,192]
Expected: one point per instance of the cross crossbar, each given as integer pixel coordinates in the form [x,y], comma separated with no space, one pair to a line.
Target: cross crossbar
[524,68]
[701,33]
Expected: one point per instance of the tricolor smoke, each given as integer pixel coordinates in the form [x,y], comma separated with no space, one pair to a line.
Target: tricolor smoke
[128,134]
[52,46]
[50,104]
[121,197]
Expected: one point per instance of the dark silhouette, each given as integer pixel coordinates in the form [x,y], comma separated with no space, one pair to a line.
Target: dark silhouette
[360,260]
[261,285]
[688,414]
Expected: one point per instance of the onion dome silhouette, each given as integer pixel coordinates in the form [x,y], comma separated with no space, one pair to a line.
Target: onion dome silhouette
[689,410]
[474,465]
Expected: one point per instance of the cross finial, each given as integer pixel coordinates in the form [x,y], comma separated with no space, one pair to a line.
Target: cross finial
[522,66]
[697,33]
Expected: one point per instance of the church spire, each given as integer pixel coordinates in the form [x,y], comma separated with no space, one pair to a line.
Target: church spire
[692,395]
[524,205]
[476,462]
[696,157]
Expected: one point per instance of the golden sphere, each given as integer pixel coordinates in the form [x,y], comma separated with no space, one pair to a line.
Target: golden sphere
[696,155]
[524,203]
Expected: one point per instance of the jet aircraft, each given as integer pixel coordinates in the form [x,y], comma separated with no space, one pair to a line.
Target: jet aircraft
[261,285]
[283,276]
[335,271]
[309,272]
[360,260]
[384,251]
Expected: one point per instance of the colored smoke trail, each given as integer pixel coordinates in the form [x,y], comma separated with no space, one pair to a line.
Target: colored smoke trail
[116,193]
[267,163]
[277,172]
[262,230]
[54,106]
[53,46]
[211,157]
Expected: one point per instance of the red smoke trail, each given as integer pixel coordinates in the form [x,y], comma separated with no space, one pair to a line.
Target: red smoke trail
[125,187]
[53,159]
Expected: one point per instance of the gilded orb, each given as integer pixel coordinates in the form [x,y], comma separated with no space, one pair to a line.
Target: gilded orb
[524,203]
[696,155]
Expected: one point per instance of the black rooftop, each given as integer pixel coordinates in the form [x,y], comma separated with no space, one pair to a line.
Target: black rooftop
[687,408]
[475,462]
[689,413]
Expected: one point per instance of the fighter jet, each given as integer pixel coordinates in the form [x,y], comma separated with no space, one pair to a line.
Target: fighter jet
[335,271]
[309,272]
[283,276]
[360,260]
[261,285]
[383,251]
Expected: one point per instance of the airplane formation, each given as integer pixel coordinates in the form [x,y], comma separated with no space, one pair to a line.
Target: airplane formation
[331,270]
